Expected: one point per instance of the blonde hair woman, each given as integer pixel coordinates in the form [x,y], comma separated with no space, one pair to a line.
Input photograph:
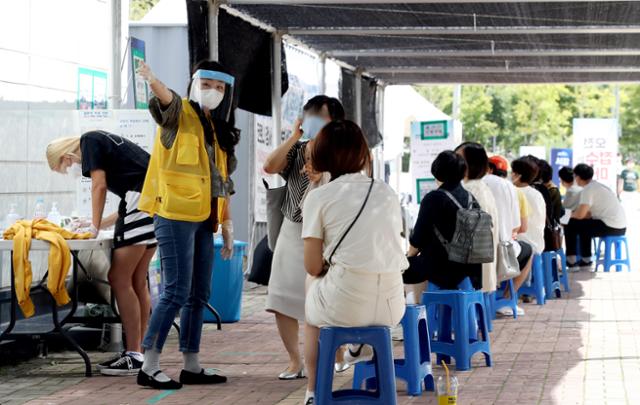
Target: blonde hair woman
[118,165]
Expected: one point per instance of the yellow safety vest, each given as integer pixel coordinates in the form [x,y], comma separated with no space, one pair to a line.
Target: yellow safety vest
[178,181]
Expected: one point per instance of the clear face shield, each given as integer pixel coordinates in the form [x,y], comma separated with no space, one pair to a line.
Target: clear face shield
[213,91]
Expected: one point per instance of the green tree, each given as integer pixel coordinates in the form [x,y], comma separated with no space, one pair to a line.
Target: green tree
[630,121]
[440,96]
[476,115]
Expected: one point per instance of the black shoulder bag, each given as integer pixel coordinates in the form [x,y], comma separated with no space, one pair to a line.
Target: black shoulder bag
[328,263]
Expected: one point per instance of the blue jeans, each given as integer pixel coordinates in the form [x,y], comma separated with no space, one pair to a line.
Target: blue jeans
[186,254]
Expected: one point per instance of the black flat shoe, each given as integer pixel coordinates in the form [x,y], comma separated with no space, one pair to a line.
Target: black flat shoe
[146,380]
[189,378]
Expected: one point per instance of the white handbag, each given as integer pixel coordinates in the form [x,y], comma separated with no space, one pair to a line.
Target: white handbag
[507,264]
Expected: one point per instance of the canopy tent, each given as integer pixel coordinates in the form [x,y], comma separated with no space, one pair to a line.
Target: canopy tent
[446,41]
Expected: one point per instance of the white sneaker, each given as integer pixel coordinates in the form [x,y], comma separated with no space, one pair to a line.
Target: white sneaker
[519,311]
[505,311]
[358,353]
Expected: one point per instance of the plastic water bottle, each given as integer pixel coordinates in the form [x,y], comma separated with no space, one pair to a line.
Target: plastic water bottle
[39,212]
[54,215]
[12,217]
[447,389]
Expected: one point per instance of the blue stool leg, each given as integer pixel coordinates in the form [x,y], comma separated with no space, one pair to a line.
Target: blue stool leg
[384,366]
[618,243]
[482,326]
[607,254]
[411,351]
[444,330]
[463,358]
[547,274]
[487,305]
[626,248]
[326,358]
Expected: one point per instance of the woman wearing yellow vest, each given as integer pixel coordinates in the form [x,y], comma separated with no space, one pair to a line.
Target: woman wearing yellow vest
[187,191]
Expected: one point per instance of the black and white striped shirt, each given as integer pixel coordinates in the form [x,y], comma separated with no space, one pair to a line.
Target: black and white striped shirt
[297,182]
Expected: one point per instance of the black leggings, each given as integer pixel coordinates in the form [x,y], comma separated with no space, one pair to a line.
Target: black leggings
[586,229]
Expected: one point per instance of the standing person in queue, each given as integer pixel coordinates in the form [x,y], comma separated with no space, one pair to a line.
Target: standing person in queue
[352,245]
[286,286]
[187,190]
[118,165]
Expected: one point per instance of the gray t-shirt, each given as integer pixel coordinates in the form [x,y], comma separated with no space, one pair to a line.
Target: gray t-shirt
[603,204]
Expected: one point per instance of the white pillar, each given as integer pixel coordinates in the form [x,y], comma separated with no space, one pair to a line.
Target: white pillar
[358,94]
[214,8]
[116,55]
[115,334]
[323,73]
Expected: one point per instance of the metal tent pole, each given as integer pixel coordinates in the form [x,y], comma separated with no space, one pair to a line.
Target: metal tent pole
[214,8]
[323,73]
[276,90]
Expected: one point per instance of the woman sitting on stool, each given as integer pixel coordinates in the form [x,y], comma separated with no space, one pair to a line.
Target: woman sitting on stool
[363,252]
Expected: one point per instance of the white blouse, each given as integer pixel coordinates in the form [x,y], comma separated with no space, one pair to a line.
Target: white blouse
[374,244]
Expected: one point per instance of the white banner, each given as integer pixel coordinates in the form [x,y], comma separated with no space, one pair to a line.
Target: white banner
[595,142]
[135,125]
[264,144]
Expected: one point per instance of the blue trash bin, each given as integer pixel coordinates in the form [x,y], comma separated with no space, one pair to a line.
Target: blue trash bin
[226,283]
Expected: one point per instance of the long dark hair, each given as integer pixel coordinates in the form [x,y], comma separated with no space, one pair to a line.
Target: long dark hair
[228,134]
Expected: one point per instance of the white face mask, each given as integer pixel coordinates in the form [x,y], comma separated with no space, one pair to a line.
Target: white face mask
[210,99]
[75,170]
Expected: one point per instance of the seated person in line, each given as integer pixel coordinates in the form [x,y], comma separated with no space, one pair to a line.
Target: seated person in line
[572,193]
[477,162]
[523,172]
[599,214]
[513,212]
[552,212]
[546,176]
[429,259]
[118,165]
[363,283]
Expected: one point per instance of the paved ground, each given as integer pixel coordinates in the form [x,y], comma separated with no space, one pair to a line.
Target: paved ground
[581,349]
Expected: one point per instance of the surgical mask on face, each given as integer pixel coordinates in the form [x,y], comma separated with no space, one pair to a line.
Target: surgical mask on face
[311,126]
[210,99]
[75,170]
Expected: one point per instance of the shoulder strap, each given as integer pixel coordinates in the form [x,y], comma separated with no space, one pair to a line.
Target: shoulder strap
[344,235]
[452,198]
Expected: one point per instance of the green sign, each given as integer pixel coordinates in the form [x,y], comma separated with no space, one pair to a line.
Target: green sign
[140,90]
[92,89]
[430,130]
[424,186]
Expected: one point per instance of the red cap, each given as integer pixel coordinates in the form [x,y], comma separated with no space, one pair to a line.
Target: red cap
[500,162]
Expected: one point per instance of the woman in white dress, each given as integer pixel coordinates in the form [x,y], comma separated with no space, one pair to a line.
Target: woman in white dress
[286,285]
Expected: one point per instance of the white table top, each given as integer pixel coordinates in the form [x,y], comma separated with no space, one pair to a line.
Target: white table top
[75,245]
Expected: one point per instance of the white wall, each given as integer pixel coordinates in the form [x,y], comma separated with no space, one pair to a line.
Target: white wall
[42,45]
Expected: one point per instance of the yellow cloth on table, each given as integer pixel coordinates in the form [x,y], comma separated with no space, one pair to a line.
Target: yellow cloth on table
[22,232]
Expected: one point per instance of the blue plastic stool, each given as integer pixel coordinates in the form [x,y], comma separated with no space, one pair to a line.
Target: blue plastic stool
[536,287]
[551,283]
[456,308]
[613,246]
[511,302]
[465,285]
[594,248]
[415,368]
[564,277]
[379,337]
